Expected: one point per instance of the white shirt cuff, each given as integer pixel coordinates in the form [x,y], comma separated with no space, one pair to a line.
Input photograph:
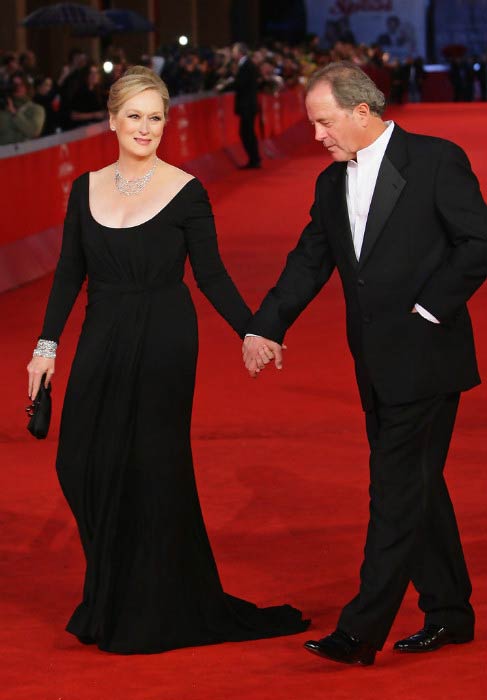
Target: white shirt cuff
[425,314]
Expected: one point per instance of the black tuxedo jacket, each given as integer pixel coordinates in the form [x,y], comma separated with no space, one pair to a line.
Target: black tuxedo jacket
[425,242]
[246,86]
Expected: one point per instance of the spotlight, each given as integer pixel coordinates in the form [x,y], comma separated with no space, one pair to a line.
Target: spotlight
[108,66]
[183,40]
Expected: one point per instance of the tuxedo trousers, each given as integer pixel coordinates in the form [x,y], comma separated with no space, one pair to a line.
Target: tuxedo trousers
[412,533]
[249,137]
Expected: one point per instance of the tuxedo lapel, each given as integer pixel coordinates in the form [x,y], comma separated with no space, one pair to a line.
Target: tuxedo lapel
[340,212]
[388,188]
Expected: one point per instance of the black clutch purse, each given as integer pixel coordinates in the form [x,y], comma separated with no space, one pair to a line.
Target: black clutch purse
[39,412]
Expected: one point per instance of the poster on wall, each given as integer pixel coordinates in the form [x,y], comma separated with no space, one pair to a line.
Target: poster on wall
[460,27]
[398,26]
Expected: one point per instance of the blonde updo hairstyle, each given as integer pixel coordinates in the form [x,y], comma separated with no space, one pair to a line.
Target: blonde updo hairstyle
[134,81]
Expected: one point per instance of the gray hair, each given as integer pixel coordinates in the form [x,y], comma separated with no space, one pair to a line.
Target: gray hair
[349,86]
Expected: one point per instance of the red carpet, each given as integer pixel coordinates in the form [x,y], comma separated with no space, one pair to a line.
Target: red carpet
[270,456]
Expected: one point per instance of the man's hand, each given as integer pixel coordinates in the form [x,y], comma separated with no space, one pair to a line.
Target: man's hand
[258,352]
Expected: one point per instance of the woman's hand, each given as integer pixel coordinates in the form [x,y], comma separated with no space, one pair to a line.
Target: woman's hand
[36,368]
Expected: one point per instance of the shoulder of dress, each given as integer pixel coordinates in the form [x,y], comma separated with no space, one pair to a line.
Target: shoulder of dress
[193,184]
[80,179]
[79,182]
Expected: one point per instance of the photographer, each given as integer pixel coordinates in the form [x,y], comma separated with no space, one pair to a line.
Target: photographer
[20,118]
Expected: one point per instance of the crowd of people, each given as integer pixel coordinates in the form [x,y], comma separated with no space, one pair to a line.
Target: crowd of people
[469,78]
[33,104]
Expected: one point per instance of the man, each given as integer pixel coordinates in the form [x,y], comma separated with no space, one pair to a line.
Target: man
[246,105]
[402,218]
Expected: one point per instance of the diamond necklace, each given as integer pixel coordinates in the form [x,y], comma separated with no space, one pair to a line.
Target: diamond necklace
[135,186]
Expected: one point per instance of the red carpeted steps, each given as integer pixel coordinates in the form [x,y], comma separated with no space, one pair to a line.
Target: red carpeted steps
[270,456]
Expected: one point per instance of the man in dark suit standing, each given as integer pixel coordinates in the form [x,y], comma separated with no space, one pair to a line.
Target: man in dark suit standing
[246,104]
[402,218]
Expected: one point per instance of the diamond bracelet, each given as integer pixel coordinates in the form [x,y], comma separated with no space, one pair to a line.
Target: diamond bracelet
[45,348]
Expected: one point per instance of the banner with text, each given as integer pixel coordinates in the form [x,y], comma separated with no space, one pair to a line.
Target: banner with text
[398,26]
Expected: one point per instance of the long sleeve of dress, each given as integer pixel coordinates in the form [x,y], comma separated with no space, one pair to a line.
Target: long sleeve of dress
[70,272]
[208,269]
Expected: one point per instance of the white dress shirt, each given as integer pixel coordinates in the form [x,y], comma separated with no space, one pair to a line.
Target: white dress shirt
[361,180]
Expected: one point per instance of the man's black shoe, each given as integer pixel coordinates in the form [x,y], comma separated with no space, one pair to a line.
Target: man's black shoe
[250,166]
[430,638]
[341,647]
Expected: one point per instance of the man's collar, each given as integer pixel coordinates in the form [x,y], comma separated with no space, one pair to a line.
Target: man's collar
[378,147]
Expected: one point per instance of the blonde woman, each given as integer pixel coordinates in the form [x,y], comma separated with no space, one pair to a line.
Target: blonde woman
[124,459]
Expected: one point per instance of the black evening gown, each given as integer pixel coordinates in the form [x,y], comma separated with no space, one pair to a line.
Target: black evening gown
[124,459]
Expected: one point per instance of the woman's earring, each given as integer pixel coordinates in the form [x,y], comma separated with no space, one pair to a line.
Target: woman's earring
[112,128]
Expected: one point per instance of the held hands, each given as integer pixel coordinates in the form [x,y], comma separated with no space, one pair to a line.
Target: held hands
[36,368]
[257,352]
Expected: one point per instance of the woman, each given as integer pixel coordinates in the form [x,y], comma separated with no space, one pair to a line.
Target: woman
[87,104]
[124,458]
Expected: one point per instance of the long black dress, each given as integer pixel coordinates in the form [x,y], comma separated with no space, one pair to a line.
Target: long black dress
[124,460]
